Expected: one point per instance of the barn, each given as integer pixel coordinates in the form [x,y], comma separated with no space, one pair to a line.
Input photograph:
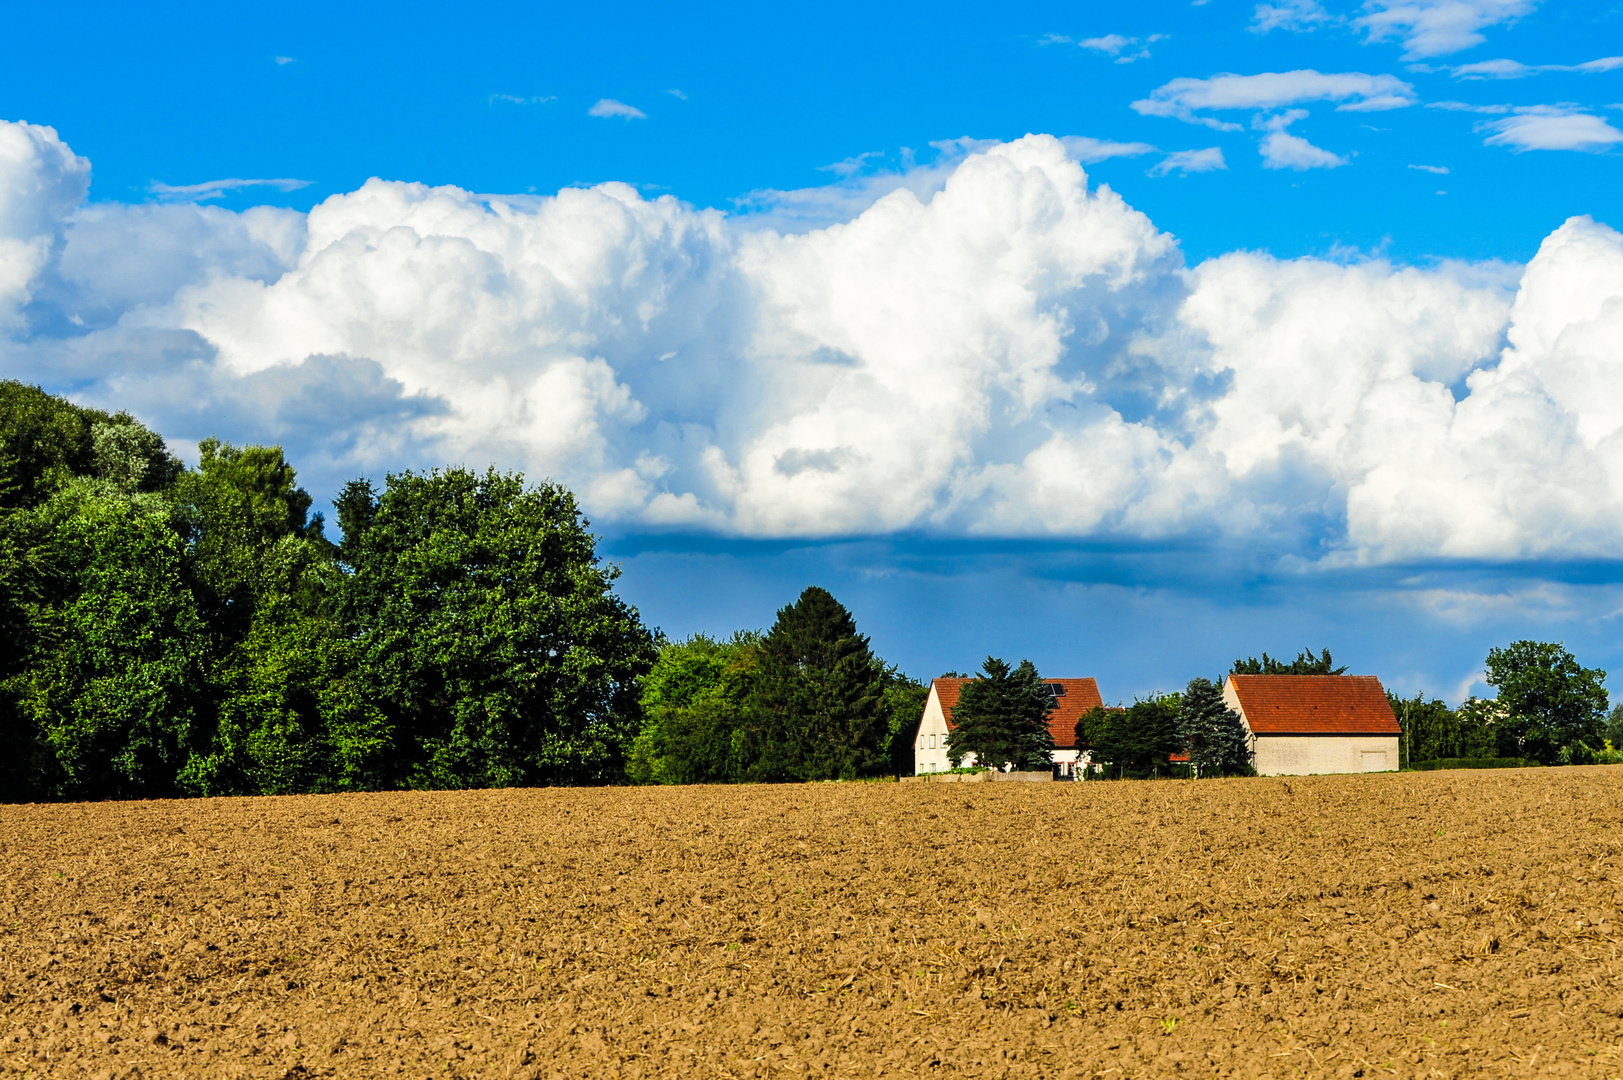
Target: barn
[1302,724]
[1072,698]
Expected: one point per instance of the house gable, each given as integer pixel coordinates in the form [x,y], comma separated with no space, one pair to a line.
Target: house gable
[1072,699]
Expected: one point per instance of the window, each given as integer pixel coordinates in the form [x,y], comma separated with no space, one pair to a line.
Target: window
[932,742]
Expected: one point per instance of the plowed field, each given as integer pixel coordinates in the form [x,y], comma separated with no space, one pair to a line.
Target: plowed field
[1417,925]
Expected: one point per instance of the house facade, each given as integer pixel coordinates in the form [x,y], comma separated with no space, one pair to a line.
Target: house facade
[1072,698]
[1302,724]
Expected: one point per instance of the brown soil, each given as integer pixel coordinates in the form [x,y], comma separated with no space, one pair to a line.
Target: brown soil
[1417,925]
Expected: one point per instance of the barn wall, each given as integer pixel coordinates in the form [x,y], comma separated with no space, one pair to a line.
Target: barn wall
[1300,755]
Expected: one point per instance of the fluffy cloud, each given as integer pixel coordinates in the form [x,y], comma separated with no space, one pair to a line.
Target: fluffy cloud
[1005,351]
[1551,127]
[1282,150]
[1186,99]
[608,107]
[43,183]
[1294,15]
[1437,27]
[1184,162]
[1512,69]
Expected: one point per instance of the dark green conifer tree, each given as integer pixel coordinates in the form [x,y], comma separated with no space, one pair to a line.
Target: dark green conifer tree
[1002,717]
[1212,733]
[820,714]
[1304,664]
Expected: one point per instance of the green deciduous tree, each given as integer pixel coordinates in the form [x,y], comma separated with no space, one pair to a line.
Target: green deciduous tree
[1556,709]
[251,535]
[1140,739]
[1431,730]
[697,704]
[1002,717]
[109,699]
[820,714]
[1212,733]
[902,705]
[489,633]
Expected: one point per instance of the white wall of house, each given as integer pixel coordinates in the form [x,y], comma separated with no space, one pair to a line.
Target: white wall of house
[1303,755]
[1070,762]
[930,745]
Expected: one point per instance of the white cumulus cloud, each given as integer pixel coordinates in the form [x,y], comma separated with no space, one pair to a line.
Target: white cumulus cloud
[608,107]
[1185,162]
[1282,150]
[1551,127]
[1437,27]
[1001,350]
[1186,99]
[1514,69]
[1294,15]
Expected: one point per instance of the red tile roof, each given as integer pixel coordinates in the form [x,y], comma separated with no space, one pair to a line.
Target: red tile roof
[1315,704]
[1080,696]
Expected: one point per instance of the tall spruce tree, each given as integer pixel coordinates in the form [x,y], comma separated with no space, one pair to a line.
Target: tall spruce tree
[1002,717]
[1212,732]
[820,711]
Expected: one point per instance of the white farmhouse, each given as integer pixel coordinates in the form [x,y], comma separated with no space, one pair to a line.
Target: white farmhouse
[1303,724]
[1072,698]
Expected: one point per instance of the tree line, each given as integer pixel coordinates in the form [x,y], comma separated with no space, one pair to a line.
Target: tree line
[193,631]
[1548,710]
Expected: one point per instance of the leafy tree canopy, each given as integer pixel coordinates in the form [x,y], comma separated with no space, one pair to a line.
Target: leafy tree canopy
[490,635]
[1139,740]
[1556,708]
[106,696]
[1002,717]
[1304,664]
[697,702]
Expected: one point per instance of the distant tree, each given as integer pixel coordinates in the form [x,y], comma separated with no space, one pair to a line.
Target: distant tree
[1093,727]
[1140,739]
[1304,664]
[697,702]
[1002,717]
[1556,709]
[1213,734]
[1614,727]
[1432,730]
[903,706]
[46,441]
[820,714]
[488,633]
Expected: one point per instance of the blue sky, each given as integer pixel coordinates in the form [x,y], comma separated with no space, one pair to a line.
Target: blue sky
[1152,450]
[772,99]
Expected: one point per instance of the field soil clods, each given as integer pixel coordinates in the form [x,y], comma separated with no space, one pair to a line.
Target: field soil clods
[1429,924]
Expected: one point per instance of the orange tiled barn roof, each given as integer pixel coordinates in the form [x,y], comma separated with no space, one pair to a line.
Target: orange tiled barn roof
[1315,704]
[1080,696]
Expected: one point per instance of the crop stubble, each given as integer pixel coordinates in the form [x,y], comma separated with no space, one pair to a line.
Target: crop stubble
[1422,924]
